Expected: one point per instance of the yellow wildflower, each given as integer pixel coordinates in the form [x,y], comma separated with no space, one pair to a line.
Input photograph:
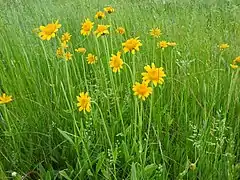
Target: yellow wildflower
[172,44]
[60,52]
[155,32]
[142,90]
[91,59]
[100,15]
[116,62]
[132,45]
[66,37]
[84,102]
[109,9]
[102,30]
[68,56]
[4,99]
[49,31]
[64,45]
[163,44]
[223,46]
[81,50]
[86,27]
[120,30]
[153,74]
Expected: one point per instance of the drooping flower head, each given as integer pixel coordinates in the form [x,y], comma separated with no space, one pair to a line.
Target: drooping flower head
[100,15]
[68,56]
[142,90]
[116,62]
[132,45]
[91,59]
[109,9]
[66,37]
[163,44]
[84,102]
[4,99]
[120,30]
[86,27]
[153,74]
[102,30]
[80,50]
[155,32]
[223,46]
[49,31]
[172,44]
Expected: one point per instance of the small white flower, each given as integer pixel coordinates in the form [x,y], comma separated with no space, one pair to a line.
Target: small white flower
[14,174]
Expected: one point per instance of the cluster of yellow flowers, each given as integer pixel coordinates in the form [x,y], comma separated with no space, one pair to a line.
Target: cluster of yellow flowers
[4,99]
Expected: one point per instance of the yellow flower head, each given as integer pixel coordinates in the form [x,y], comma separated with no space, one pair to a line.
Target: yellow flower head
[81,50]
[60,52]
[66,37]
[4,99]
[223,46]
[236,63]
[153,74]
[162,44]
[102,30]
[64,45]
[49,31]
[132,45]
[155,32]
[237,59]
[91,59]
[142,90]
[84,102]
[68,56]
[172,44]
[100,15]
[116,62]
[86,27]
[234,66]
[109,9]
[120,30]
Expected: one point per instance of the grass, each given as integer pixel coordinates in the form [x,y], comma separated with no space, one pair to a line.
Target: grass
[187,129]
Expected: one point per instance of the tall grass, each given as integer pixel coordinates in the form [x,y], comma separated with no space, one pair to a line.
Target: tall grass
[191,120]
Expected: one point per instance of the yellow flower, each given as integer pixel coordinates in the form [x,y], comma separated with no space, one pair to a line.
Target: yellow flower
[163,44]
[91,59]
[68,56]
[64,45]
[49,31]
[142,90]
[66,37]
[237,59]
[60,52]
[120,30]
[102,30]
[109,9]
[155,32]
[99,15]
[223,46]
[84,102]
[4,99]
[81,50]
[116,62]
[234,66]
[153,74]
[86,27]
[171,44]
[236,63]
[132,45]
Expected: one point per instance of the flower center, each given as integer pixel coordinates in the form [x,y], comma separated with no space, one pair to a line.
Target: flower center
[142,89]
[50,28]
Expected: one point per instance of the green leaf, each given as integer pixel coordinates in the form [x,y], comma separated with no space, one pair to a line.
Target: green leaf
[66,135]
[149,169]
[89,172]
[64,174]
[133,172]
[101,158]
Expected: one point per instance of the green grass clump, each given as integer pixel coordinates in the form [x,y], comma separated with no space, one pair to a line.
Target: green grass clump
[187,129]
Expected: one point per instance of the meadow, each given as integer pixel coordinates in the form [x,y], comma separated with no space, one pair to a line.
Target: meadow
[143,89]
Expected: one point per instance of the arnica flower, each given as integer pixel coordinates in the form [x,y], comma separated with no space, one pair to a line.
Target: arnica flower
[49,31]
[102,30]
[142,90]
[91,59]
[68,56]
[84,102]
[64,45]
[155,32]
[116,62]
[100,15]
[172,44]
[59,52]
[66,37]
[86,27]
[236,63]
[163,44]
[120,30]
[80,50]
[109,9]
[132,45]
[4,99]
[153,74]
[223,46]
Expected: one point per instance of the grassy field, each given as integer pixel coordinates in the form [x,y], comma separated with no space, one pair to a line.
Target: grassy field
[188,128]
